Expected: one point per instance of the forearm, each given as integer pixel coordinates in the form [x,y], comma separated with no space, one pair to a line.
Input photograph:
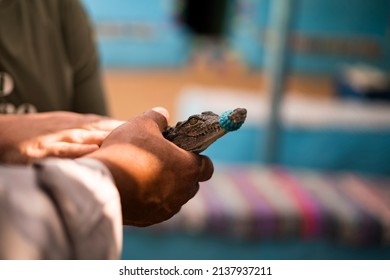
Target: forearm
[24,138]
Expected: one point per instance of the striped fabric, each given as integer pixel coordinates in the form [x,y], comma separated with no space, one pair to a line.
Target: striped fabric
[255,202]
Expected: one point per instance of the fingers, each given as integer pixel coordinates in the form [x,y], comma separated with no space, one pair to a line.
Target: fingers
[59,149]
[69,120]
[78,136]
[69,150]
[206,168]
[104,125]
[67,144]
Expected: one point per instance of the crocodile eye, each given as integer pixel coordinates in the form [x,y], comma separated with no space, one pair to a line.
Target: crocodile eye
[193,121]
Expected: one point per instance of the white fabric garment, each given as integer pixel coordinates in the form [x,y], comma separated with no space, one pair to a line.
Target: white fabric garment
[59,209]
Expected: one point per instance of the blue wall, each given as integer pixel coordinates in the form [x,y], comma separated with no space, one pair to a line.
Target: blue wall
[135,33]
[326,33]
[366,150]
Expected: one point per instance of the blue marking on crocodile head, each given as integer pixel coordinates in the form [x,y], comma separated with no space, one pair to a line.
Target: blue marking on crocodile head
[227,124]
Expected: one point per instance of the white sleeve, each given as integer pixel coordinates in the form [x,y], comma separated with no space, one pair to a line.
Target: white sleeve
[59,209]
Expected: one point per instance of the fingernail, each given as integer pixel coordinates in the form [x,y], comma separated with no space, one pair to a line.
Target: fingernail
[162,111]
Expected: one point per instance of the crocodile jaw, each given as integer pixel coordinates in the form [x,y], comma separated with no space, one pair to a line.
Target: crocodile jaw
[200,143]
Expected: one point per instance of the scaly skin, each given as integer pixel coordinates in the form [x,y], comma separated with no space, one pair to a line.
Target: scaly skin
[198,132]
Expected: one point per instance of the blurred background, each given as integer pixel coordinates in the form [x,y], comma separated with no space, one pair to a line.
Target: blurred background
[307,176]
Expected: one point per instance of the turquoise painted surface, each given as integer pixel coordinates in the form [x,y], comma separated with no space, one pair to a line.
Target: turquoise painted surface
[150,36]
[139,34]
[247,32]
[366,151]
[143,244]
[330,19]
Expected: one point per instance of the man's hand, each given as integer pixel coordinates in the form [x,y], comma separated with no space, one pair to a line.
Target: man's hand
[59,134]
[154,176]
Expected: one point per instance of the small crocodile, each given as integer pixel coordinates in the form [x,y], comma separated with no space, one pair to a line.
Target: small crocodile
[198,132]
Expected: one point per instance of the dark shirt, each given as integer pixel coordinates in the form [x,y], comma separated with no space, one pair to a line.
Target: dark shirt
[48,59]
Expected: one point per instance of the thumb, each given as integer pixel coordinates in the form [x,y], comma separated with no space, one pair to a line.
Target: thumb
[160,116]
